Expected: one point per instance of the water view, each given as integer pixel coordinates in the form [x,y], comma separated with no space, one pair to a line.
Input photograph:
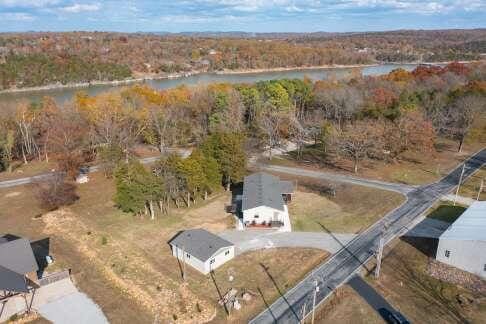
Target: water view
[62,95]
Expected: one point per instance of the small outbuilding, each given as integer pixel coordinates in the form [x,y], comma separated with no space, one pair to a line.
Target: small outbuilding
[463,244]
[202,250]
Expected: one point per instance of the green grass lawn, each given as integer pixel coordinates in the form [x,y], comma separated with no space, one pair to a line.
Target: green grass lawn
[447,213]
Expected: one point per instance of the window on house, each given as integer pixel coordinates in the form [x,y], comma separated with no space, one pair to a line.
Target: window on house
[226,253]
[212,261]
[484,267]
[447,253]
[256,216]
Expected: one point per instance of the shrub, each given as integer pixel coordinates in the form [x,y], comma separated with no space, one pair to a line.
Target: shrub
[55,192]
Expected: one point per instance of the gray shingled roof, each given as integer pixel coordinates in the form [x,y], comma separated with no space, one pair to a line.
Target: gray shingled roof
[263,189]
[16,260]
[199,243]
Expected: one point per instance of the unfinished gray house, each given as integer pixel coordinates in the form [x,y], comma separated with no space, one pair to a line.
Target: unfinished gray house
[463,244]
[202,250]
[264,201]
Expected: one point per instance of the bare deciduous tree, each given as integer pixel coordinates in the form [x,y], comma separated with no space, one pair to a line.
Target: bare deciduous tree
[458,117]
[358,141]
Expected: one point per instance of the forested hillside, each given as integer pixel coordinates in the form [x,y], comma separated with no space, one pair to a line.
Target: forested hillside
[35,59]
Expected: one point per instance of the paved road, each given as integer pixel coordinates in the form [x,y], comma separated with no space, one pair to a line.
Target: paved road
[41,177]
[377,184]
[428,228]
[250,240]
[372,297]
[342,265]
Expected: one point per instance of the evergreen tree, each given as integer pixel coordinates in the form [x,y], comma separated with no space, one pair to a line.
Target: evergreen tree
[228,150]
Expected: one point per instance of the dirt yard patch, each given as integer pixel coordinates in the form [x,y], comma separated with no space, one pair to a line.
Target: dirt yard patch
[128,270]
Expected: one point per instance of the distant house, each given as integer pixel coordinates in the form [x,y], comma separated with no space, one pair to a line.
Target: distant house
[264,201]
[201,249]
[463,244]
[18,266]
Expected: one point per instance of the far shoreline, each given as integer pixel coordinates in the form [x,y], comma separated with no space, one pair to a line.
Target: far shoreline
[181,75]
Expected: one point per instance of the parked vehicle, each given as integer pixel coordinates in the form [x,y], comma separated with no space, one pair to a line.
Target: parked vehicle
[393,317]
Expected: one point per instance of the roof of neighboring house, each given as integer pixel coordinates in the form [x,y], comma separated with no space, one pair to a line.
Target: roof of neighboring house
[16,260]
[471,225]
[199,243]
[263,189]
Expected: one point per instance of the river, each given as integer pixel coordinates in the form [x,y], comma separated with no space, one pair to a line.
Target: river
[63,95]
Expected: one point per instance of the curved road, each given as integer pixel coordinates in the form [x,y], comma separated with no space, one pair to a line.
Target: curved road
[377,184]
[345,263]
[21,181]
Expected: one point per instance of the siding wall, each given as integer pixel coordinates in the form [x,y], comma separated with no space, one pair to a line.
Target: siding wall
[265,214]
[466,255]
[205,267]
[219,259]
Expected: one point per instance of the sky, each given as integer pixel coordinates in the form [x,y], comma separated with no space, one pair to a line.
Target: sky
[240,15]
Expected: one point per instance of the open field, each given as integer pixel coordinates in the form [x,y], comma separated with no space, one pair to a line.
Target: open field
[406,284]
[351,210]
[412,168]
[124,262]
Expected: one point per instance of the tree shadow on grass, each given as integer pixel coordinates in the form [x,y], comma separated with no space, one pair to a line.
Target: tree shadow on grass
[267,305]
[220,295]
[280,292]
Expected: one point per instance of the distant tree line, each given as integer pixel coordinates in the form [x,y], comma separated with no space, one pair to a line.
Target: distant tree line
[85,56]
[36,69]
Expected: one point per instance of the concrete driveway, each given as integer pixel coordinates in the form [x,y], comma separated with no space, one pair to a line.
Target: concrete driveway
[62,303]
[250,240]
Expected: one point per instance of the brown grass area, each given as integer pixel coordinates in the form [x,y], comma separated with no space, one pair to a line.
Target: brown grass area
[344,307]
[405,283]
[470,187]
[266,274]
[127,269]
[133,276]
[351,210]
[21,170]
[412,168]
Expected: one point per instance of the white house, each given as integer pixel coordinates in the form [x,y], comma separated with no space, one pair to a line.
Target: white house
[201,249]
[463,244]
[264,201]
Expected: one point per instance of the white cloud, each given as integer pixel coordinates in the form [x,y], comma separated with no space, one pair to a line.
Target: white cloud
[16,16]
[28,3]
[80,7]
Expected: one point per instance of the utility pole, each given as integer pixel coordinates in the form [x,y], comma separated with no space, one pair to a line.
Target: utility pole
[303,313]
[460,181]
[480,189]
[183,263]
[316,290]
[379,255]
